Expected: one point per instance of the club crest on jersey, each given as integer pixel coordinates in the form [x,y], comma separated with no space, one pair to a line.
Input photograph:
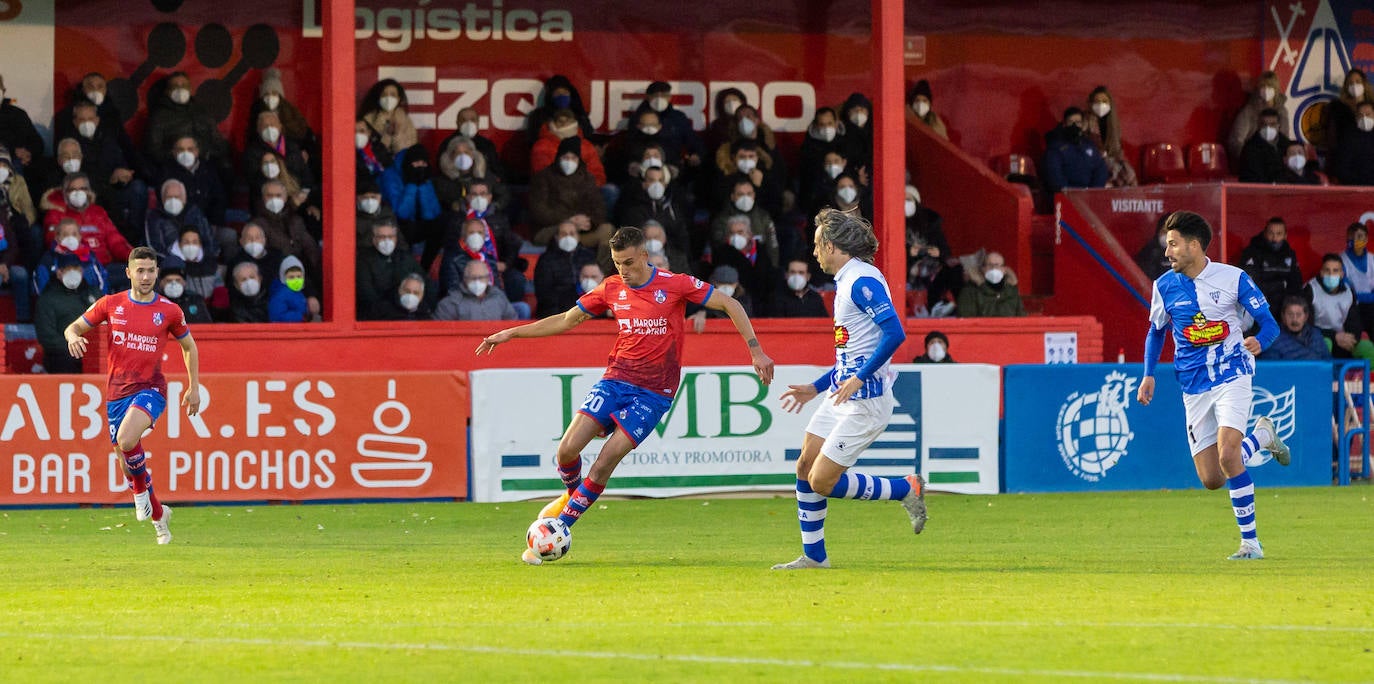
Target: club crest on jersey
[623,295]
[660,296]
[696,283]
[157,318]
[1203,332]
[1216,297]
[841,336]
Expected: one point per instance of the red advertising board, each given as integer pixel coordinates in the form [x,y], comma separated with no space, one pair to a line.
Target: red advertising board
[257,437]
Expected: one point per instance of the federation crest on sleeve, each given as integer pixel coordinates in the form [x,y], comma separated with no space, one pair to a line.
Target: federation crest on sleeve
[157,318]
[660,296]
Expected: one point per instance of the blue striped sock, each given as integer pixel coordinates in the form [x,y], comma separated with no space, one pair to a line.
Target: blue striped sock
[1251,453]
[1243,503]
[811,513]
[580,501]
[861,486]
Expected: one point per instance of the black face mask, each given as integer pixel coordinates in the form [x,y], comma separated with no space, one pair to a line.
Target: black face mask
[1073,133]
[414,175]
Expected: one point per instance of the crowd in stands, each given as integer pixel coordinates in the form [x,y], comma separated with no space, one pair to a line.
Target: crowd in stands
[453,234]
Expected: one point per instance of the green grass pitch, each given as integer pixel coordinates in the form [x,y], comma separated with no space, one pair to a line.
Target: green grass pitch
[1012,588]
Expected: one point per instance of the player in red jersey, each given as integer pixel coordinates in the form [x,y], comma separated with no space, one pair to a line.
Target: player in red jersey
[644,368]
[140,321]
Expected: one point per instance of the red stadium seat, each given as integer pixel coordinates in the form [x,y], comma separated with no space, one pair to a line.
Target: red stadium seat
[1014,165]
[1163,164]
[1207,161]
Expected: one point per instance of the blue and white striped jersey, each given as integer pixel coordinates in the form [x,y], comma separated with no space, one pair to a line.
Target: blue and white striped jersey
[1207,317]
[863,313]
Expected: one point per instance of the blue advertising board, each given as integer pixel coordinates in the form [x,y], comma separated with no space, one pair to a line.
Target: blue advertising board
[1080,428]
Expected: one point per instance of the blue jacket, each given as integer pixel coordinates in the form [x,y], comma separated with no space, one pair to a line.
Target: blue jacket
[285,305]
[1307,345]
[410,201]
[1073,164]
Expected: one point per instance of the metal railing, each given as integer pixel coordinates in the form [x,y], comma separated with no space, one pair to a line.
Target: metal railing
[1351,409]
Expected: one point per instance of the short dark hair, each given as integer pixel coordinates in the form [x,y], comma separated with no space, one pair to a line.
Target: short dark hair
[1350,229]
[936,335]
[142,253]
[1070,112]
[1275,219]
[1191,226]
[626,238]
[1293,300]
[1269,111]
[1332,256]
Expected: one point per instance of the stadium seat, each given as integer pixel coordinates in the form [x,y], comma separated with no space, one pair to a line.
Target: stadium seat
[1018,165]
[1163,164]
[1207,161]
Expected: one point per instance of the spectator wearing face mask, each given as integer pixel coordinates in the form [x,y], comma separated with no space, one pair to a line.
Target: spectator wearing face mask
[14,191]
[385,110]
[202,183]
[62,300]
[1342,113]
[171,282]
[937,349]
[1072,160]
[254,248]
[657,243]
[727,102]
[728,281]
[1102,124]
[752,262]
[824,137]
[460,162]
[559,93]
[286,232]
[372,209]
[1261,159]
[17,251]
[1334,311]
[98,233]
[556,272]
[469,127]
[797,299]
[1267,95]
[175,113]
[498,243]
[1297,169]
[851,196]
[408,187]
[566,189]
[991,291]
[919,100]
[114,178]
[381,268]
[476,300]
[285,299]
[1352,161]
[17,132]
[93,88]
[294,128]
[411,303]
[625,154]
[68,242]
[749,161]
[1359,272]
[1272,264]
[248,298]
[473,241]
[741,202]
[69,161]
[658,197]
[173,215]
[371,157]
[266,140]
[199,265]
[857,113]
[552,142]
[681,144]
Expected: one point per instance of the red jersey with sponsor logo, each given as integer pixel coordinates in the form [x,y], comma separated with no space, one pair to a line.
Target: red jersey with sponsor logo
[648,352]
[137,331]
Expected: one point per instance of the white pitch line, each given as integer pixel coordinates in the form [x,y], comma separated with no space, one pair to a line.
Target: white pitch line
[652,657]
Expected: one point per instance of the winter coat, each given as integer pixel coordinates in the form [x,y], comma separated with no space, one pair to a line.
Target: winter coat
[1275,271]
[1353,161]
[410,201]
[555,196]
[98,232]
[461,305]
[56,308]
[1262,161]
[1304,345]
[92,273]
[544,154]
[979,298]
[164,230]
[285,305]
[1247,121]
[168,121]
[377,280]
[203,188]
[556,276]
[395,130]
[1073,163]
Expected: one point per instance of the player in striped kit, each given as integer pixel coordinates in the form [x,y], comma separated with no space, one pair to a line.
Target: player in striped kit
[1203,302]
[858,401]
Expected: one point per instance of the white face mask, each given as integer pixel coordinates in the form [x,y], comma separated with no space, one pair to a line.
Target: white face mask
[1356,90]
[654,245]
[921,108]
[936,352]
[1269,133]
[1366,123]
[173,205]
[255,249]
[275,205]
[475,241]
[479,203]
[71,165]
[270,135]
[994,275]
[271,170]
[568,166]
[1267,94]
[727,290]
[834,170]
[747,165]
[567,243]
[369,205]
[468,129]
[909,207]
[744,202]
[97,97]
[386,247]
[739,241]
[191,253]
[186,158]
[797,282]
[174,290]
[181,95]
[652,163]
[71,278]
[477,287]
[4,173]
[1101,109]
[747,127]
[649,130]
[410,301]
[360,140]
[659,103]
[589,284]
[250,287]
[655,190]
[826,133]
[389,102]
[70,243]
[76,199]
[847,194]
[271,101]
[1297,163]
[463,161]
[86,129]
[859,118]
[730,106]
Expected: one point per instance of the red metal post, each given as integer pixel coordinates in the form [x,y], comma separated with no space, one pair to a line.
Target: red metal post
[337,149]
[889,147]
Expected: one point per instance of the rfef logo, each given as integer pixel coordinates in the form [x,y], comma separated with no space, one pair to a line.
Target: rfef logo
[1093,430]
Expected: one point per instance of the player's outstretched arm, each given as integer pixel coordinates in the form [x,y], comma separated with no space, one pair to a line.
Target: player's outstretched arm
[762,364]
[75,334]
[190,399]
[544,327]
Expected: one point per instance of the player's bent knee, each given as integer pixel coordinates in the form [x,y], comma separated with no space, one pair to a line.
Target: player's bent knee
[1213,483]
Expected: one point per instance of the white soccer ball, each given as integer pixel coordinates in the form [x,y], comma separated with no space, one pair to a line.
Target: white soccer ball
[549,538]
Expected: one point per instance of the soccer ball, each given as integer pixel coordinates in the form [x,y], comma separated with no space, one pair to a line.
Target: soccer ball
[549,538]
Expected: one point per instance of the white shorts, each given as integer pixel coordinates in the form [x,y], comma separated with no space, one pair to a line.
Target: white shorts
[1226,405]
[849,428]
